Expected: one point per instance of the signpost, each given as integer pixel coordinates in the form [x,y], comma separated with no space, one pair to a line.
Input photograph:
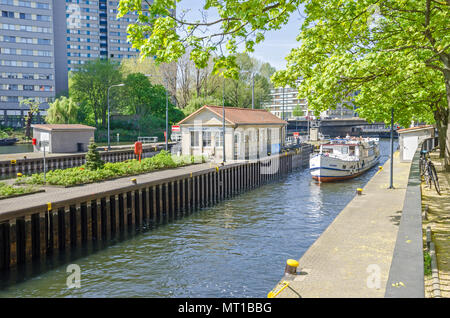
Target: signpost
[43,144]
[175,128]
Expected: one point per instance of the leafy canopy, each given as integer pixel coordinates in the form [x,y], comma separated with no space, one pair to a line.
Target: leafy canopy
[159,34]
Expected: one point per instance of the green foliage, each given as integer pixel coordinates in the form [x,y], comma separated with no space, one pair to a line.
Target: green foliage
[3,134]
[83,175]
[297,112]
[62,111]
[33,108]
[8,190]
[427,263]
[93,158]
[89,88]
[238,91]
[394,54]
[167,38]
[198,102]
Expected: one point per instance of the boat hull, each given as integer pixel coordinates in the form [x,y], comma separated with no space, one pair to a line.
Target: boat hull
[8,141]
[328,169]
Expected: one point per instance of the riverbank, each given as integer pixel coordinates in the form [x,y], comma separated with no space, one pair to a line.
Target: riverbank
[437,218]
[353,256]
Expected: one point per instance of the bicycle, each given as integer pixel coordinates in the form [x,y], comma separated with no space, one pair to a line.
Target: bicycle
[428,171]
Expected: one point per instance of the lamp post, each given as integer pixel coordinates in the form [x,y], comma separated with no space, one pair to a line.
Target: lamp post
[109,137]
[223,119]
[167,110]
[253,87]
[391,179]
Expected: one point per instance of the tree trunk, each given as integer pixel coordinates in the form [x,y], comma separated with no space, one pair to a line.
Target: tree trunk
[28,126]
[447,141]
[440,116]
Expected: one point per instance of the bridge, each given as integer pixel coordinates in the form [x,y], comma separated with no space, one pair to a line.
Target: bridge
[339,127]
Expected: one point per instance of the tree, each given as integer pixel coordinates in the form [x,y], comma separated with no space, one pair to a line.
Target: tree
[93,158]
[62,111]
[297,111]
[89,87]
[167,37]
[395,52]
[159,74]
[137,98]
[198,102]
[33,108]
[350,44]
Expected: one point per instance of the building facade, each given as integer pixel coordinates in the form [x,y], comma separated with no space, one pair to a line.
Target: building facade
[284,100]
[93,31]
[249,133]
[27,58]
[62,138]
[42,40]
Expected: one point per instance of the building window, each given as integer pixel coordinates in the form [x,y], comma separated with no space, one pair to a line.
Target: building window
[195,142]
[219,139]
[206,139]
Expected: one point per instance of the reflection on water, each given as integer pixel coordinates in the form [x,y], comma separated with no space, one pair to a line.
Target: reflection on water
[237,248]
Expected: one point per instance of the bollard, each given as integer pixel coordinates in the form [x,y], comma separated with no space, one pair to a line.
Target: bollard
[359,191]
[291,267]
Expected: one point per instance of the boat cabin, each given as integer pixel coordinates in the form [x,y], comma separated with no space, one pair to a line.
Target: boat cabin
[350,150]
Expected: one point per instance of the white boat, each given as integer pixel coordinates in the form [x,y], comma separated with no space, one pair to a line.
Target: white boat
[341,159]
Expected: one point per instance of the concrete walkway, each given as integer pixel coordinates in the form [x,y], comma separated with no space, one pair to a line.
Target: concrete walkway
[352,258]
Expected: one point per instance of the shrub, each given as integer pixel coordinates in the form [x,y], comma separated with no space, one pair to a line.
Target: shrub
[93,159]
[83,175]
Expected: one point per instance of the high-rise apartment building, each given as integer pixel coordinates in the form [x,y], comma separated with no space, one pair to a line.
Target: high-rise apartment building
[285,100]
[27,56]
[42,40]
[93,31]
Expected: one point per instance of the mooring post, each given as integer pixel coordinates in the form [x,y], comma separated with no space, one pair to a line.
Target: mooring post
[106,218]
[78,225]
[116,216]
[89,221]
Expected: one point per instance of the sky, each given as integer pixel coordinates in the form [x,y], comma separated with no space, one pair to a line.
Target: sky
[277,44]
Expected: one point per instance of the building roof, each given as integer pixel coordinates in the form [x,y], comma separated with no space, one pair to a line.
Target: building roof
[240,116]
[62,127]
[410,129]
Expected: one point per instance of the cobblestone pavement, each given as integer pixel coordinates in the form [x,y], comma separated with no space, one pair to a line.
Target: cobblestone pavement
[352,258]
[438,217]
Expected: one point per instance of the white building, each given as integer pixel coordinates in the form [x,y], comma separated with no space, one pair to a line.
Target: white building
[285,99]
[410,138]
[249,133]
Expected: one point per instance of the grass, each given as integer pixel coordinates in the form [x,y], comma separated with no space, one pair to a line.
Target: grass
[427,263]
[7,191]
[82,175]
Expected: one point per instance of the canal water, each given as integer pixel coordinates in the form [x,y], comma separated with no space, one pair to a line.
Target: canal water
[17,148]
[237,248]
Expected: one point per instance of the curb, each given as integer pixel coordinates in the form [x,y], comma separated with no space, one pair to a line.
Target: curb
[436,289]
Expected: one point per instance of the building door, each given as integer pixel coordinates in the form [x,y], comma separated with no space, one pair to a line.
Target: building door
[45,139]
